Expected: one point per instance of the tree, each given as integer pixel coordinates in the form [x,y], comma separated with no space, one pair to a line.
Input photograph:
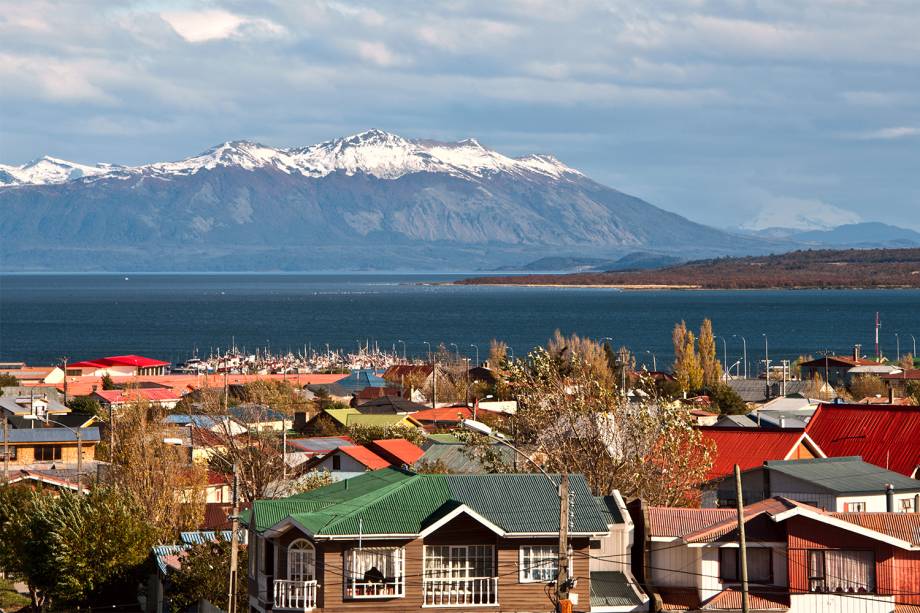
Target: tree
[709,361]
[498,354]
[108,383]
[725,399]
[438,467]
[15,501]
[8,380]
[203,576]
[866,386]
[155,476]
[687,366]
[362,434]
[75,546]
[86,405]
[590,355]
[906,362]
[570,418]
[913,391]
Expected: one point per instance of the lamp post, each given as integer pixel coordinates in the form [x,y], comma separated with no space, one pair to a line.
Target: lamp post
[654,360]
[428,345]
[724,357]
[897,340]
[404,348]
[476,347]
[744,345]
[766,361]
[562,489]
[456,350]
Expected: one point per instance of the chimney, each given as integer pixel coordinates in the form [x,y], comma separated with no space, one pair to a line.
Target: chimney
[889,498]
[916,503]
[890,394]
[856,349]
[782,421]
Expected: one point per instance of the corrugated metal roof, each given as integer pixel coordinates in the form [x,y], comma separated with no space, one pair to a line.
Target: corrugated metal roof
[609,508]
[365,456]
[320,443]
[758,600]
[168,556]
[199,537]
[51,435]
[678,521]
[748,447]
[456,460]
[400,449]
[390,501]
[358,419]
[612,589]
[905,526]
[887,436]
[845,475]
[755,527]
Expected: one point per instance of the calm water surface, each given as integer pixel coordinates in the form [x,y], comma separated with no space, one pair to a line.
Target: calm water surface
[43,317]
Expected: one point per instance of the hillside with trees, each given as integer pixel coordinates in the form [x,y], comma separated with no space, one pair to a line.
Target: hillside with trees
[851,268]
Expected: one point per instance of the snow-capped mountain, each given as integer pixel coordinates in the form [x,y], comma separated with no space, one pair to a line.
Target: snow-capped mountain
[375,153]
[373,200]
[46,170]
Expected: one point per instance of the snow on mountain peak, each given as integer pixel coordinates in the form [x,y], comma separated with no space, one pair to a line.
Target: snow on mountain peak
[381,154]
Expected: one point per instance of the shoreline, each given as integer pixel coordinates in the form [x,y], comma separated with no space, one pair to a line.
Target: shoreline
[682,287]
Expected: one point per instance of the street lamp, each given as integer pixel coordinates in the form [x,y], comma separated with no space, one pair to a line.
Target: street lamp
[456,350]
[428,345]
[404,348]
[766,361]
[562,490]
[476,347]
[654,360]
[897,340]
[744,344]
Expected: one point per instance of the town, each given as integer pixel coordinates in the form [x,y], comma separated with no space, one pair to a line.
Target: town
[570,479]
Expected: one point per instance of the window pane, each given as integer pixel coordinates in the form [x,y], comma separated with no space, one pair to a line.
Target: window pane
[758,563]
[728,564]
[849,571]
[539,563]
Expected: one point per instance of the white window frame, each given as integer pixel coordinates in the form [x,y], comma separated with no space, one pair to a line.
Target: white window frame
[524,567]
[351,579]
[306,550]
[858,506]
[453,570]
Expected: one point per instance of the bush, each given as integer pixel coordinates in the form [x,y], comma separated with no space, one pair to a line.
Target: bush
[725,399]
[864,386]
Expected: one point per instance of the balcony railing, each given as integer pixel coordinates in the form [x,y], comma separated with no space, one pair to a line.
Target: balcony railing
[295,595]
[465,592]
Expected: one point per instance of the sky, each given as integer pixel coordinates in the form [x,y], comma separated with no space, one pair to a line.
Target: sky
[733,113]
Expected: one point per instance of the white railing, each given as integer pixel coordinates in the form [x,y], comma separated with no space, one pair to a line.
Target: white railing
[391,588]
[295,595]
[466,592]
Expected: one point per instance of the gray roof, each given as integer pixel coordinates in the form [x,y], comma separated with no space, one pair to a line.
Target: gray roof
[50,394]
[735,421]
[50,435]
[612,589]
[844,475]
[455,459]
[253,413]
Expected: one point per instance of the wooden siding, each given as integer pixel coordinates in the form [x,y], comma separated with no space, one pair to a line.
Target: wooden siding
[513,596]
[896,571]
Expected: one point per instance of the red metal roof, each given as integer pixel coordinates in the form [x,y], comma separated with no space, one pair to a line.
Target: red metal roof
[399,449]
[884,435]
[398,371]
[758,600]
[365,456]
[450,414]
[119,360]
[151,394]
[835,360]
[911,374]
[678,521]
[751,447]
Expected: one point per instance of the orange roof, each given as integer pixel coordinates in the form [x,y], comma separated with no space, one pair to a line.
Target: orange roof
[904,526]
[398,371]
[758,600]
[884,435]
[365,456]
[84,385]
[399,449]
[151,394]
[884,400]
[678,521]
[770,506]
[453,414]
[751,447]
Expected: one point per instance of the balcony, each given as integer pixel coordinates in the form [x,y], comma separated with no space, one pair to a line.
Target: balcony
[295,595]
[461,592]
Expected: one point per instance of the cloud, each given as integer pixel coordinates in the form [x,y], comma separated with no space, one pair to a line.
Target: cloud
[379,54]
[203,26]
[799,214]
[893,133]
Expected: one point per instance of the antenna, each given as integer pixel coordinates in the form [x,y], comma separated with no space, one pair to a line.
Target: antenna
[878,325]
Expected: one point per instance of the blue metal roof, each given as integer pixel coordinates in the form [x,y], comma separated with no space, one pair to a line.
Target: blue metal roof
[51,435]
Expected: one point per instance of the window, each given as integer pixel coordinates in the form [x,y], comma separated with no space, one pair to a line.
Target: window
[854,507]
[835,570]
[47,453]
[907,505]
[301,561]
[459,562]
[759,563]
[540,564]
[253,554]
[12,454]
[375,572]
[336,462]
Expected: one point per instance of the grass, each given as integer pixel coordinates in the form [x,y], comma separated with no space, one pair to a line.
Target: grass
[10,599]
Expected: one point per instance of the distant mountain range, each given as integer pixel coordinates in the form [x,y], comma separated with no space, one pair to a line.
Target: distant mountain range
[371,201]
[864,235]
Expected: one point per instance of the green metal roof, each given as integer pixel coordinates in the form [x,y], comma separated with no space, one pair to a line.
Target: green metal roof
[392,501]
[612,589]
[608,505]
[341,415]
[444,438]
[844,475]
[360,419]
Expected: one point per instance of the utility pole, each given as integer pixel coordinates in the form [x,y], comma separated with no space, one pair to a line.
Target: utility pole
[64,360]
[562,575]
[877,326]
[6,449]
[284,447]
[742,543]
[79,459]
[766,362]
[234,543]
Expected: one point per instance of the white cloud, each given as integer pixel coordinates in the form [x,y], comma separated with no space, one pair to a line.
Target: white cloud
[379,54]
[203,26]
[892,133]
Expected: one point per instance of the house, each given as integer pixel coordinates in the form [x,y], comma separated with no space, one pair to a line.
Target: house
[393,540]
[898,382]
[349,461]
[53,480]
[337,421]
[442,418]
[32,375]
[302,449]
[785,412]
[388,405]
[613,587]
[372,393]
[260,418]
[833,369]
[399,373]
[454,457]
[118,366]
[36,402]
[799,558]
[166,398]
[751,447]
[884,435]
[41,447]
[834,484]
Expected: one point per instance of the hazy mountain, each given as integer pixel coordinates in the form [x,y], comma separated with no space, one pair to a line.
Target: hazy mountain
[370,201]
[868,234]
